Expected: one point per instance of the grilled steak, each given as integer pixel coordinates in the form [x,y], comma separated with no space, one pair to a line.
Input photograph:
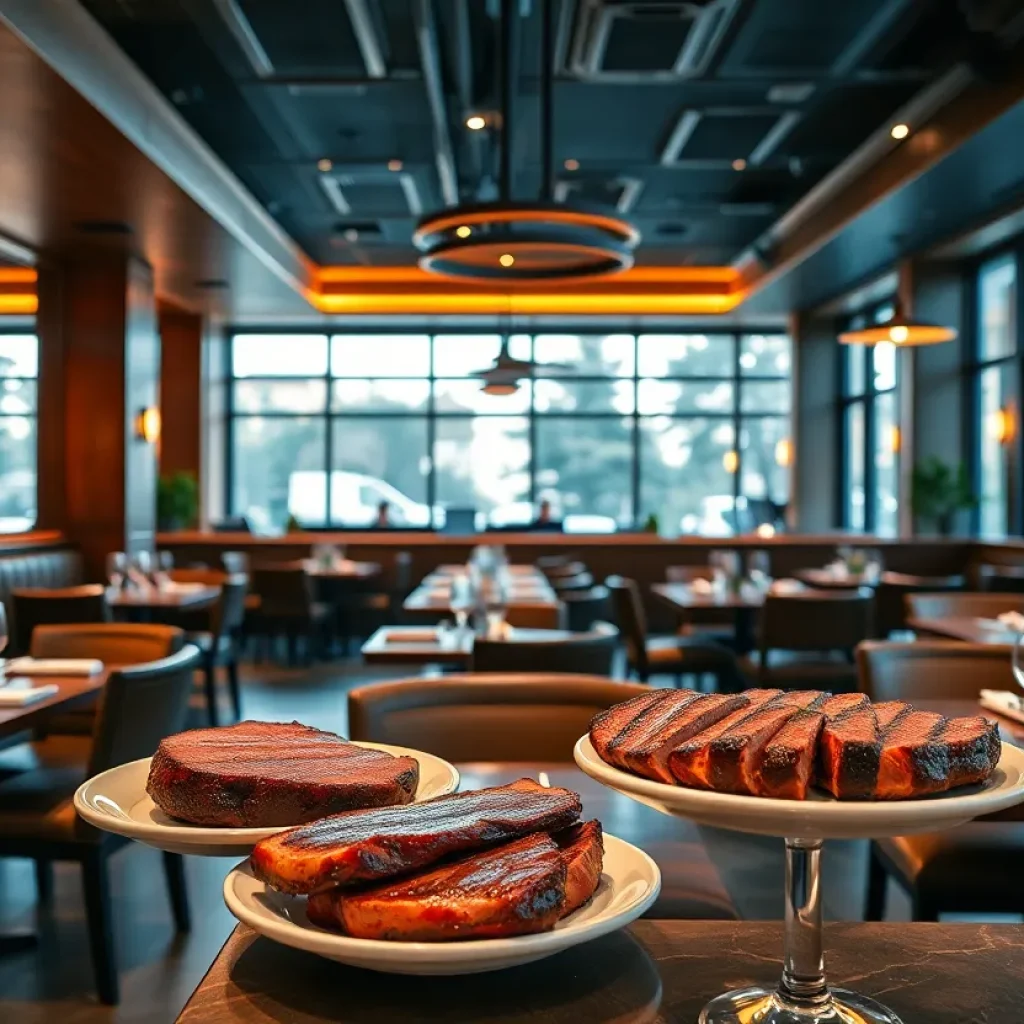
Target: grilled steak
[606,725]
[644,750]
[267,773]
[582,848]
[787,761]
[889,711]
[849,752]
[368,845]
[804,700]
[914,761]
[840,703]
[974,749]
[734,756]
[516,889]
[690,762]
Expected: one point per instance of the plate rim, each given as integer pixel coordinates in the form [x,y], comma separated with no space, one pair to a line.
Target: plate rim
[829,813]
[329,944]
[212,835]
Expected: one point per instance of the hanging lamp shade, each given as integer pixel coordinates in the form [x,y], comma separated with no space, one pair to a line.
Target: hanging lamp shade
[900,330]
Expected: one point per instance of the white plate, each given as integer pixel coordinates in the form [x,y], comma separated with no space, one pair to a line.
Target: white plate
[629,884]
[820,816]
[117,801]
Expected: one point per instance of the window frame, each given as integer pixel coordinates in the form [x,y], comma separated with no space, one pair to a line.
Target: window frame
[734,375]
[26,329]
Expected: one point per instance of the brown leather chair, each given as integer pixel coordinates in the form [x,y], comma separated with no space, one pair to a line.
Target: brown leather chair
[288,607]
[892,588]
[66,605]
[591,653]
[971,869]
[807,639]
[952,604]
[585,607]
[673,655]
[485,717]
[537,616]
[1003,579]
[140,706]
[934,670]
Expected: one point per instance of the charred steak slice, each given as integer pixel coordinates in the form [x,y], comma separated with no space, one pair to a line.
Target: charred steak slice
[735,755]
[787,762]
[914,761]
[259,774]
[516,889]
[849,752]
[368,845]
[974,749]
[650,722]
[645,750]
[582,849]
[804,700]
[888,712]
[607,725]
[690,761]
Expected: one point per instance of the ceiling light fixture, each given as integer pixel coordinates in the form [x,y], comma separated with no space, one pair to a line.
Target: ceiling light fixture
[731,461]
[899,131]
[395,165]
[520,241]
[900,330]
[500,387]
[739,165]
[324,165]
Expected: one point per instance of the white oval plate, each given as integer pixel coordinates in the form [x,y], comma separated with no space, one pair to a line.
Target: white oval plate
[820,816]
[117,801]
[630,883]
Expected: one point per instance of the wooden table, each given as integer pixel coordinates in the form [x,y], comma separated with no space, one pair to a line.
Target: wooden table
[343,570]
[683,598]
[654,972]
[73,692]
[419,645]
[173,598]
[824,579]
[527,590]
[990,632]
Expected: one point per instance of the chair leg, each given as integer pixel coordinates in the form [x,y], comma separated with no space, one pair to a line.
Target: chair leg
[174,871]
[878,880]
[210,685]
[44,880]
[236,692]
[101,934]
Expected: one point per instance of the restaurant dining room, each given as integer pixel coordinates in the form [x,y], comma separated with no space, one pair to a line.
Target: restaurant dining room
[511,511]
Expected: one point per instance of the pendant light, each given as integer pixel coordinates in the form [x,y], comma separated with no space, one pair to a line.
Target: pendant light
[899,330]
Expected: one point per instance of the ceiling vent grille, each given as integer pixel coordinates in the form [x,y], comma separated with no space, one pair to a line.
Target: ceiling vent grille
[376,192]
[718,136]
[621,193]
[646,40]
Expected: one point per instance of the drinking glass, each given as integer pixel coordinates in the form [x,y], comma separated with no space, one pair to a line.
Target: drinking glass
[496,594]
[1018,660]
[461,599]
[117,569]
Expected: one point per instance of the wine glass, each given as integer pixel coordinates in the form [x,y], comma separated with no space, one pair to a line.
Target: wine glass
[117,569]
[460,599]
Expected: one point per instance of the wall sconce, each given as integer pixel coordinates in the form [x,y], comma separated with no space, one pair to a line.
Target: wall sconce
[1002,426]
[731,461]
[895,440]
[784,453]
[147,425]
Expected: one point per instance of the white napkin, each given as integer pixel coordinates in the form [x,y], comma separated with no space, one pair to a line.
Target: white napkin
[20,692]
[54,667]
[1004,703]
[1013,621]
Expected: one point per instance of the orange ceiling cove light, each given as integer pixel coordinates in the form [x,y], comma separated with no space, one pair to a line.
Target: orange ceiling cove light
[18,291]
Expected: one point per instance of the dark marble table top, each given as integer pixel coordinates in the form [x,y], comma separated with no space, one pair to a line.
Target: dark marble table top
[656,972]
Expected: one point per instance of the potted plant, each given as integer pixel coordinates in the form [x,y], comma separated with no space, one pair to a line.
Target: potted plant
[939,492]
[177,501]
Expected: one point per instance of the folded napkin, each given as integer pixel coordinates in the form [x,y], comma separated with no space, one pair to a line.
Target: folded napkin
[1012,620]
[54,667]
[1003,703]
[20,692]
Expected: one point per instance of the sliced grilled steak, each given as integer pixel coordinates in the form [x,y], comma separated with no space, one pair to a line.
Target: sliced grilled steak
[804,700]
[735,755]
[914,761]
[787,762]
[260,774]
[606,725]
[974,749]
[516,889]
[582,848]
[849,752]
[368,845]
[889,712]
[838,704]
[650,722]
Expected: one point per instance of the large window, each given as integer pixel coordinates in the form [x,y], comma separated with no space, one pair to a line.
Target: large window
[994,371]
[19,370]
[612,429]
[870,431]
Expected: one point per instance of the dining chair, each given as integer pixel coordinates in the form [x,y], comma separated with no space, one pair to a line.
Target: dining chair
[957,604]
[546,615]
[140,705]
[808,638]
[494,716]
[218,643]
[677,656]
[971,869]
[591,653]
[66,605]
[288,607]
[565,584]
[892,588]
[585,607]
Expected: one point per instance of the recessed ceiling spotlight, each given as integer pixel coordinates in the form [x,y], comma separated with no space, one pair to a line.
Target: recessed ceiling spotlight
[475,122]
[394,165]
[739,165]
[324,165]
[351,235]
[899,131]
[463,231]
[506,259]
[572,165]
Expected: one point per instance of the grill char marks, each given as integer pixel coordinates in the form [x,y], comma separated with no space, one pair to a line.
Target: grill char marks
[670,723]
[261,774]
[849,752]
[786,767]
[913,761]
[582,848]
[803,700]
[515,889]
[369,845]
[974,749]
[690,762]
[637,737]
[606,725]
[735,755]
[889,712]
[840,703]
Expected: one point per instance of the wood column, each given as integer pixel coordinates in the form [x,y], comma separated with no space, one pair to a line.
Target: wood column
[98,311]
[181,389]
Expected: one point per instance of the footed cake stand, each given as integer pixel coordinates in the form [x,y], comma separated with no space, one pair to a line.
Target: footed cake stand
[803,995]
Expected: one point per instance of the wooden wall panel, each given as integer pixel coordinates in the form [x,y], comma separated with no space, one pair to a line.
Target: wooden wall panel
[181,387]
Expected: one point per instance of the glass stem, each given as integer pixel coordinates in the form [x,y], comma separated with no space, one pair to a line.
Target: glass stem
[803,969]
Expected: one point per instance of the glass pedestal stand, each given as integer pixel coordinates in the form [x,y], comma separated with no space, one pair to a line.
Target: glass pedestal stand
[803,996]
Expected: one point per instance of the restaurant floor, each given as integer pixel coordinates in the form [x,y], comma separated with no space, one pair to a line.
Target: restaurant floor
[52,984]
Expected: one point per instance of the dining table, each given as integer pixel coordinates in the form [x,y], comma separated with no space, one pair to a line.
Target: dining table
[150,601]
[344,569]
[527,590]
[72,692]
[969,629]
[428,645]
[744,602]
[831,579]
